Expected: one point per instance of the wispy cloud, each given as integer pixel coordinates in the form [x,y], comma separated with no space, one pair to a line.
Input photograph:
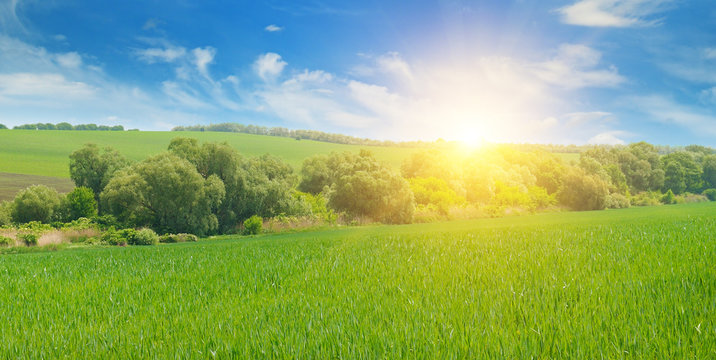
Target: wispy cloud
[613,13]
[576,66]
[154,55]
[665,109]
[273,28]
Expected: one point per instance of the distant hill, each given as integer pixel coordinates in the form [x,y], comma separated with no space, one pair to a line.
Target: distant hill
[46,153]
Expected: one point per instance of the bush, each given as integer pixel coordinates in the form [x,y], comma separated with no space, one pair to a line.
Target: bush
[252,225]
[668,198]
[145,237]
[5,213]
[6,241]
[129,236]
[617,201]
[81,203]
[177,238]
[28,238]
[36,203]
[113,237]
[710,194]
[646,198]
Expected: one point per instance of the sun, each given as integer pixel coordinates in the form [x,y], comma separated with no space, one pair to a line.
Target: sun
[471,136]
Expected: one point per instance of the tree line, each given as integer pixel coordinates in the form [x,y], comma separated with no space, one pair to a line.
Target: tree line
[209,188]
[66,126]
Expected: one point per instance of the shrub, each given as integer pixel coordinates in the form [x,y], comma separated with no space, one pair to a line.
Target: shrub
[710,194]
[113,237]
[668,198]
[252,225]
[145,237]
[36,203]
[129,235]
[177,238]
[28,238]
[5,213]
[81,203]
[617,201]
[6,241]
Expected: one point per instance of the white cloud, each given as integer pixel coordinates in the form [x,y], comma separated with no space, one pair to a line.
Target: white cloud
[273,28]
[613,13]
[608,138]
[42,85]
[269,65]
[70,60]
[154,55]
[202,58]
[574,66]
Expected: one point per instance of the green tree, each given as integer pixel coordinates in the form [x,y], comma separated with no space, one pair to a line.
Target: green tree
[260,186]
[583,191]
[709,171]
[165,193]
[92,168]
[434,192]
[688,171]
[3,127]
[63,126]
[36,203]
[81,203]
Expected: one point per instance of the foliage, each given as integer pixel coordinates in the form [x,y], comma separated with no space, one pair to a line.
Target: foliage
[144,237]
[166,193]
[582,191]
[93,169]
[710,194]
[256,186]
[36,203]
[28,238]
[81,203]
[436,192]
[318,206]
[681,173]
[178,238]
[252,225]
[360,186]
[6,241]
[617,201]
[668,198]
[68,126]
[5,213]
[113,237]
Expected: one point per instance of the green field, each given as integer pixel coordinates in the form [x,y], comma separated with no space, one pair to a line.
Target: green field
[47,153]
[10,184]
[634,283]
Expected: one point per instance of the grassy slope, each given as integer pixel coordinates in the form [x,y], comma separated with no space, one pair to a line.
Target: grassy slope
[10,184]
[633,283]
[46,152]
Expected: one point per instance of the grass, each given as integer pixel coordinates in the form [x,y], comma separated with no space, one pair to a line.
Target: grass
[47,153]
[633,283]
[10,184]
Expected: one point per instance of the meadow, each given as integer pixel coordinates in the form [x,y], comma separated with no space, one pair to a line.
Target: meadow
[46,153]
[632,283]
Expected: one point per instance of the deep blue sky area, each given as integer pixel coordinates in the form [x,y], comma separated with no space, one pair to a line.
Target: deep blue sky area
[567,71]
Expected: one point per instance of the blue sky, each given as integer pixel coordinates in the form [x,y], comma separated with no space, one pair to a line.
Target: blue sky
[568,71]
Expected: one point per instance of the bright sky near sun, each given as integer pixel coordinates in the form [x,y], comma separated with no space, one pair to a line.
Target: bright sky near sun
[568,71]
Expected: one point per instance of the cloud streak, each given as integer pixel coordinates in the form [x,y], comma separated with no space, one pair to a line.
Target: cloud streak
[613,13]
